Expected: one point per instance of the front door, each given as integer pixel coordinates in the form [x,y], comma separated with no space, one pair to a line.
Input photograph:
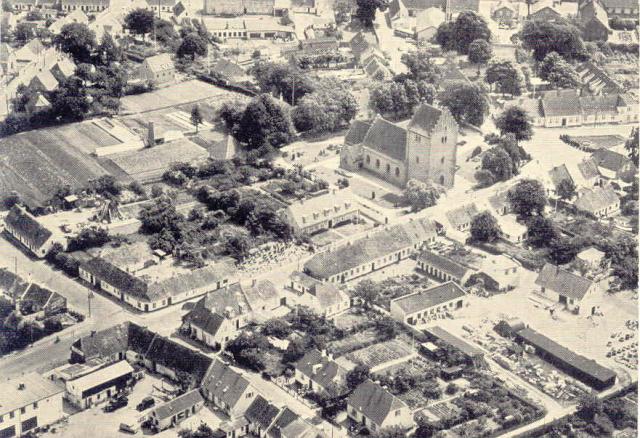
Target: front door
[564,122]
[563,300]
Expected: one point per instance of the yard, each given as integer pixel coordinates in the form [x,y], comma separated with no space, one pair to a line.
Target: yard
[382,354]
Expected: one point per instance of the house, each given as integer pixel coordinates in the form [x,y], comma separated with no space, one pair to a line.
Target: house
[317,372]
[512,230]
[402,9]
[231,71]
[30,233]
[84,5]
[324,299]
[419,307]
[37,300]
[596,80]
[158,69]
[594,20]
[584,174]
[286,417]
[362,44]
[217,318]
[29,52]
[499,272]
[621,8]
[98,386]
[12,286]
[249,28]
[376,408]
[228,390]
[309,216]
[29,403]
[24,5]
[63,70]
[174,411]
[600,201]
[162,6]
[505,12]
[110,344]
[427,23]
[592,258]
[473,355]
[443,268]
[375,69]
[577,294]
[319,45]
[261,414]
[240,7]
[460,218]
[43,82]
[371,253]
[613,165]
[424,150]
[76,16]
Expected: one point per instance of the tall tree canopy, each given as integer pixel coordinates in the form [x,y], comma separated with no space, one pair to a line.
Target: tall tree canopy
[366,10]
[139,21]
[77,40]
[467,103]
[515,120]
[544,37]
[467,28]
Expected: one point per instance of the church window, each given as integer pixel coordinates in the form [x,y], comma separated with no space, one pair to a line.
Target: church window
[441,179]
[377,164]
[388,168]
[397,171]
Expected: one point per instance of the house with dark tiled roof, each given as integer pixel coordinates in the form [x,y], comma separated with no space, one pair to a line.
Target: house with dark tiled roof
[29,232]
[576,293]
[594,20]
[613,165]
[309,216]
[228,390]
[598,201]
[375,408]
[596,80]
[325,299]
[12,286]
[443,268]
[621,8]
[420,306]
[363,43]
[424,150]
[584,174]
[286,418]
[371,253]
[261,414]
[229,70]
[317,372]
[174,411]
[38,300]
[460,218]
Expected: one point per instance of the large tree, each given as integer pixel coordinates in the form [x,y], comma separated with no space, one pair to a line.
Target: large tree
[419,195]
[357,375]
[480,52]
[69,101]
[108,51]
[631,146]
[497,161]
[468,27]
[192,45]
[528,198]
[77,40]
[485,228]
[566,189]
[506,77]
[139,21]
[515,120]
[467,103]
[366,10]
[558,72]
[329,108]
[544,37]
[540,231]
[419,66]
[283,79]
[264,122]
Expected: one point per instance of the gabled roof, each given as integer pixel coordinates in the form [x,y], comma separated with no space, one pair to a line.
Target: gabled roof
[27,226]
[610,160]
[209,322]
[559,173]
[224,383]
[387,138]
[63,69]
[44,80]
[426,299]
[228,69]
[39,296]
[159,63]
[462,215]
[362,41]
[179,404]
[374,402]
[261,412]
[320,208]
[430,17]
[563,282]
[443,264]
[588,168]
[322,370]
[455,6]
[116,277]
[286,417]
[561,103]
[425,118]
[596,199]
[357,131]
[452,340]
[177,357]
[105,342]
[12,284]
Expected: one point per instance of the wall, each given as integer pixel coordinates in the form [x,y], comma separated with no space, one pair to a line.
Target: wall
[48,411]
[375,157]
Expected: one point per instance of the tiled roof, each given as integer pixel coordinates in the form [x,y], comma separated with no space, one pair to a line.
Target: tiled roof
[425,118]
[11,284]
[322,370]
[101,3]
[563,282]
[159,63]
[533,107]
[27,226]
[596,199]
[387,138]
[357,132]
[104,343]
[463,346]
[261,412]
[462,215]
[431,17]
[581,363]
[177,357]
[301,428]
[454,6]
[559,174]
[374,402]
[443,264]
[624,4]
[499,200]
[362,41]
[286,417]
[207,321]
[40,296]
[328,295]
[179,404]
[588,168]
[426,299]
[312,211]
[229,69]
[422,4]
[116,277]
[561,103]
[599,104]
[610,160]
[224,383]
[139,338]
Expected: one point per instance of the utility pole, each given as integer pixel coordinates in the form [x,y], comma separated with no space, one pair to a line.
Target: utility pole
[89,297]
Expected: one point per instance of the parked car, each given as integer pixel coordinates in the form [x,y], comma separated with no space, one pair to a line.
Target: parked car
[131,427]
[116,403]
[146,403]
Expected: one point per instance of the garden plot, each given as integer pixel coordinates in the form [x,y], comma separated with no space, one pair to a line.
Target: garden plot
[382,355]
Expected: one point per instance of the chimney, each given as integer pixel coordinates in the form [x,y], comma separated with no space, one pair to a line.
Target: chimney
[253,282]
[21,387]
[151,135]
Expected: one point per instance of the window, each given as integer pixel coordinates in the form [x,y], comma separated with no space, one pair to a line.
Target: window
[388,168]
[442,160]
[417,159]
[368,159]
[398,413]
[377,164]
[23,410]
[397,171]
[35,405]
[11,414]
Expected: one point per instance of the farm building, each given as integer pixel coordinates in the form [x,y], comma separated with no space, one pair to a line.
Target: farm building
[578,294]
[175,411]
[599,201]
[473,354]
[30,233]
[586,370]
[376,408]
[443,268]
[371,253]
[317,372]
[323,298]
[322,212]
[420,307]
[99,386]
[228,389]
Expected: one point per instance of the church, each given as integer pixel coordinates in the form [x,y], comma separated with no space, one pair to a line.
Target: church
[423,149]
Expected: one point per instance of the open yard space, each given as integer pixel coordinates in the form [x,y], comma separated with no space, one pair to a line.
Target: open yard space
[381,355]
[305,152]
[179,94]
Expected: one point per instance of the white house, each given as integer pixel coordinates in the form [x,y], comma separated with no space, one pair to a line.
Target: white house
[159,69]
[578,294]
[376,408]
[419,307]
[29,232]
[322,212]
[100,385]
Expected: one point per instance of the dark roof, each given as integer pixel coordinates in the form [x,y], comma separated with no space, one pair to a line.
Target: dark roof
[462,215]
[207,321]
[561,103]
[225,383]
[228,69]
[374,402]
[104,343]
[422,4]
[443,264]
[261,412]
[596,199]
[563,282]
[286,417]
[426,299]
[27,226]
[624,4]
[357,132]
[362,41]
[12,284]
[610,160]
[139,338]
[387,138]
[116,277]
[559,174]
[39,295]
[450,73]
[588,168]
[179,404]
[177,357]
[463,346]
[321,369]
[454,6]
[426,117]
[576,361]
